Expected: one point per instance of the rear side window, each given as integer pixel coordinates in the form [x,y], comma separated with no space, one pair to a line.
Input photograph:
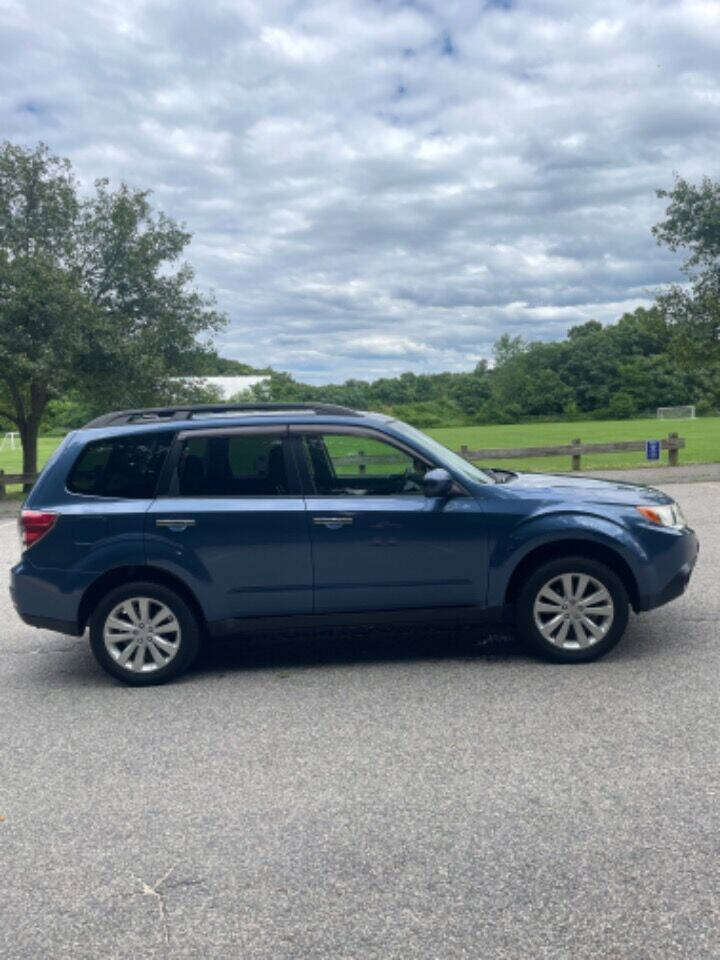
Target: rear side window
[243,465]
[124,467]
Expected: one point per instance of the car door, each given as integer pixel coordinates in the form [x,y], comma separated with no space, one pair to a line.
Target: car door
[378,543]
[108,490]
[232,523]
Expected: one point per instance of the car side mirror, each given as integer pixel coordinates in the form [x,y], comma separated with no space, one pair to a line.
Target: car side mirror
[437,483]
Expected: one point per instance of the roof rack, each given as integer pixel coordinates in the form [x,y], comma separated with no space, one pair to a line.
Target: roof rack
[193,411]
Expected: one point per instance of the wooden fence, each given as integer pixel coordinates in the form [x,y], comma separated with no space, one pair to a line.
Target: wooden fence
[7,479]
[673,444]
[575,450]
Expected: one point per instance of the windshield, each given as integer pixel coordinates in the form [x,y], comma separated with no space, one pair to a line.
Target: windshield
[453,460]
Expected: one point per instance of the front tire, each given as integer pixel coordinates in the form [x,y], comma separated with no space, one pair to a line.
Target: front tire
[144,633]
[572,610]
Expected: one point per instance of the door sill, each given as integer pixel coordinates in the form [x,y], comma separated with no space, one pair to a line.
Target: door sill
[220,628]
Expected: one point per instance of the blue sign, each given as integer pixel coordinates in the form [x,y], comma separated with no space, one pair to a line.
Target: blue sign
[652,449]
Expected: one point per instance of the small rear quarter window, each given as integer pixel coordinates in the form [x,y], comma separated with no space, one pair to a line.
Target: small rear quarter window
[124,467]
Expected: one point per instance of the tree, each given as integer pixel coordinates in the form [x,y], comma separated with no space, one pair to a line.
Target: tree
[42,317]
[94,297]
[585,330]
[693,222]
[507,348]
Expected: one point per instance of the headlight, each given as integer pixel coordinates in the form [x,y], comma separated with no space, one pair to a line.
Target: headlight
[669,515]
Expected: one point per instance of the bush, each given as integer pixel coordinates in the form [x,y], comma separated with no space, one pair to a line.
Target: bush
[429,413]
[706,407]
[621,406]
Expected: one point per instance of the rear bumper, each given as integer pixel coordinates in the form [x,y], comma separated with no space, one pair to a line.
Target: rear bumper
[48,623]
[684,556]
[45,600]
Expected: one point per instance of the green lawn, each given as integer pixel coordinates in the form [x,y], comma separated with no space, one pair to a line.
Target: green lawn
[702,436]
[11,460]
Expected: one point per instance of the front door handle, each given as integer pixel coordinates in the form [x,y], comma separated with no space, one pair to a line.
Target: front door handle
[333,521]
[175,523]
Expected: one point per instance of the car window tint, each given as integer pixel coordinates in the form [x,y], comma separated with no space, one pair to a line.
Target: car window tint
[250,465]
[123,467]
[359,465]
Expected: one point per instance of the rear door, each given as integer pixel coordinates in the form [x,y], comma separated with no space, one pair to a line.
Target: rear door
[232,523]
[108,490]
[378,542]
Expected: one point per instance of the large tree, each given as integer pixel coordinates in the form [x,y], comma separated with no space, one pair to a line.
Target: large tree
[692,223]
[94,296]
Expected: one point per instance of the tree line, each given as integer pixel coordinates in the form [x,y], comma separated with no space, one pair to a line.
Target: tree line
[616,371]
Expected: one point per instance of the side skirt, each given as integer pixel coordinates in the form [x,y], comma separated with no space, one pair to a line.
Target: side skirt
[499,615]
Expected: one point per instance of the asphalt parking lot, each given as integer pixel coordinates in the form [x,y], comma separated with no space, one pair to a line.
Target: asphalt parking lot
[379,794]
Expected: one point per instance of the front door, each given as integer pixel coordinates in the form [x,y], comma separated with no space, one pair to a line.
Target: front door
[232,523]
[378,543]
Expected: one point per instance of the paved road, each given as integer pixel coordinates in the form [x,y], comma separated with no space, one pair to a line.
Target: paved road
[368,795]
[662,476]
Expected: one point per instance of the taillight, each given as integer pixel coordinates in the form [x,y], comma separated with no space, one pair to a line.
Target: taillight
[34,524]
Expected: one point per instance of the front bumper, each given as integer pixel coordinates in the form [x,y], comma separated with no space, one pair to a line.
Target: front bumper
[678,568]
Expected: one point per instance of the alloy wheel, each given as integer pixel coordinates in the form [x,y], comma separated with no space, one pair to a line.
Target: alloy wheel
[142,635]
[573,611]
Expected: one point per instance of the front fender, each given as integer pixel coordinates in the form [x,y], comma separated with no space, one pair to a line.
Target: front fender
[508,551]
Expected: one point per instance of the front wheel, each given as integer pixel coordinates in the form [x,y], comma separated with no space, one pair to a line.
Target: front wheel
[144,633]
[572,610]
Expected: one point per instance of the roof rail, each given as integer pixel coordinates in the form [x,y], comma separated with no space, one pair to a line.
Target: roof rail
[192,411]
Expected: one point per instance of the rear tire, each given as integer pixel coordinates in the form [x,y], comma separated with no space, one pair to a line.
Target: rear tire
[144,633]
[572,610]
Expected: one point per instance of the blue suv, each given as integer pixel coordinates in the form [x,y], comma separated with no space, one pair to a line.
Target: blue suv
[156,528]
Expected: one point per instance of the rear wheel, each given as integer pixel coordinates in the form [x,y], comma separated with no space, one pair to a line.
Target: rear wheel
[144,633]
[572,610]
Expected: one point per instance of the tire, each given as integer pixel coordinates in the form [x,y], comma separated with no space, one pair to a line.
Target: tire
[125,647]
[579,631]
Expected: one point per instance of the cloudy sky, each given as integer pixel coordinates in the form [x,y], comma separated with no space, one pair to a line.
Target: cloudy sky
[378,185]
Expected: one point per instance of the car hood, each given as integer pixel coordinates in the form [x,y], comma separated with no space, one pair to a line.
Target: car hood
[586,488]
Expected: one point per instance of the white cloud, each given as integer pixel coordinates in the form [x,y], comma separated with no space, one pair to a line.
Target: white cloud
[297,47]
[377,186]
[381,346]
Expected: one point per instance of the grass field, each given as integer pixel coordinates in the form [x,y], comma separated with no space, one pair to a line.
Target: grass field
[702,437]
[11,460]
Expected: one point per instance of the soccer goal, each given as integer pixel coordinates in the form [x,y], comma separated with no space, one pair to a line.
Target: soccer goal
[676,413]
[10,440]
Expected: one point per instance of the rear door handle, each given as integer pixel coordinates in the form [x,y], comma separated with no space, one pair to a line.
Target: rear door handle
[333,521]
[175,523]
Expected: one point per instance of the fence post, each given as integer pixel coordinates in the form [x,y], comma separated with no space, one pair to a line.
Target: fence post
[464,451]
[361,463]
[2,485]
[672,450]
[576,454]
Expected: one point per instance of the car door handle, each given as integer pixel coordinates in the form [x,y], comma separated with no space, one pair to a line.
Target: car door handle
[333,521]
[175,523]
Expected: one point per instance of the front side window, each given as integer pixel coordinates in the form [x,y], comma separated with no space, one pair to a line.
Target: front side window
[124,467]
[445,457]
[241,465]
[357,465]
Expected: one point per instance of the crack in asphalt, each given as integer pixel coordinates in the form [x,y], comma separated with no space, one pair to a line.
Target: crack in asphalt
[153,890]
